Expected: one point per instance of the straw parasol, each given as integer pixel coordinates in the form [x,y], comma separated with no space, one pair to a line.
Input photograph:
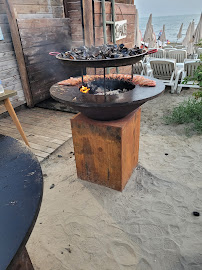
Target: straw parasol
[137,31]
[190,47]
[179,35]
[198,31]
[187,36]
[163,35]
[149,35]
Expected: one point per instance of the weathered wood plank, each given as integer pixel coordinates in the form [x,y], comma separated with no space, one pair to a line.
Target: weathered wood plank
[88,22]
[120,9]
[4,56]
[18,51]
[9,73]
[7,64]
[5,27]
[37,2]
[38,23]
[3,18]
[6,47]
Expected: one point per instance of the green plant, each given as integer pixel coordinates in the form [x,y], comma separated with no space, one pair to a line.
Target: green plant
[197,78]
[199,44]
[189,112]
[197,94]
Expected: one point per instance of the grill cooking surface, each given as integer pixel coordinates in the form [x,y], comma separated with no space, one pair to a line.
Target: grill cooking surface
[109,107]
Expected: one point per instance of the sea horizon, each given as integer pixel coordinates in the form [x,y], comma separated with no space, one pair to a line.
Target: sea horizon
[172,24]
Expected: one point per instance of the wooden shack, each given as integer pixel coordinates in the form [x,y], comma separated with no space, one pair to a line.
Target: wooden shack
[33,28]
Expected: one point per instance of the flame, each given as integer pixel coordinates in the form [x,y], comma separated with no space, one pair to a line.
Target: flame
[84,89]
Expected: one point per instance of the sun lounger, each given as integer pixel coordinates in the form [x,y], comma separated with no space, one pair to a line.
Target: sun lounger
[180,47]
[141,68]
[190,67]
[178,55]
[167,51]
[165,70]
[159,54]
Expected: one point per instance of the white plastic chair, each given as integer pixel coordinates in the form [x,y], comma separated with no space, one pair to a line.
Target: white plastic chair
[199,51]
[179,55]
[167,51]
[141,69]
[168,46]
[165,70]
[159,54]
[180,47]
[190,67]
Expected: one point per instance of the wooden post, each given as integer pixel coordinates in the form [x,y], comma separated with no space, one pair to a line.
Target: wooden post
[88,22]
[106,152]
[18,51]
[88,27]
[14,117]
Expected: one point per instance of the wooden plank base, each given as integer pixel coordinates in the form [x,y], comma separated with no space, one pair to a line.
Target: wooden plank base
[106,152]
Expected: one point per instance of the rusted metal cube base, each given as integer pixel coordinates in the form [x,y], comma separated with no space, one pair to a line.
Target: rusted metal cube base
[106,152]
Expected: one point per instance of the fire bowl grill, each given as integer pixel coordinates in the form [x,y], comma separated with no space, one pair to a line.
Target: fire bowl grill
[102,63]
[106,107]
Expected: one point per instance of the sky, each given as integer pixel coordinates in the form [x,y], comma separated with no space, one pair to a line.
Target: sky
[168,7]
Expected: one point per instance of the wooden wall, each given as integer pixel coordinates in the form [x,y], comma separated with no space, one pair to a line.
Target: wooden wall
[9,73]
[123,11]
[73,11]
[39,37]
[35,9]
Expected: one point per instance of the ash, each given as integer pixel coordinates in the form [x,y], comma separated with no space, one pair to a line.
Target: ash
[100,91]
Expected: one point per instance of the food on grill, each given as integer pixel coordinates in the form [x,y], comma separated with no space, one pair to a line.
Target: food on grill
[137,79]
[105,51]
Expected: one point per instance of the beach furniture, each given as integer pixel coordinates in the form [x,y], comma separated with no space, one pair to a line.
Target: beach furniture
[21,188]
[167,50]
[141,68]
[166,70]
[159,54]
[180,47]
[199,52]
[190,67]
[179,55]
[168,46]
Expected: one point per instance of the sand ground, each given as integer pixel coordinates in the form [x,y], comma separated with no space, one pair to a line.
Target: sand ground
[83,226]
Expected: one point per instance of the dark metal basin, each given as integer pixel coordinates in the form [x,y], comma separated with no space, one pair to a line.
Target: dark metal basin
[110,108]
[102,63]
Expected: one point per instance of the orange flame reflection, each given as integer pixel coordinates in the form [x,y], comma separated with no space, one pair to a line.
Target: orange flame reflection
[84,89]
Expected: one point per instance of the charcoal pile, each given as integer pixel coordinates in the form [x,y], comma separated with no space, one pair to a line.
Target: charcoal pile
[101,52]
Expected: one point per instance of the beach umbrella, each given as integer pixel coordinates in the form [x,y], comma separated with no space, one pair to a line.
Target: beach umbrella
[179,35]
[163,35]
[187,36]
[149,35]
[190,47]
[198,31]
[137,31]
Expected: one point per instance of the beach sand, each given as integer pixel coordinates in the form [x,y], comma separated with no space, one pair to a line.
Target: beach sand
[83,226]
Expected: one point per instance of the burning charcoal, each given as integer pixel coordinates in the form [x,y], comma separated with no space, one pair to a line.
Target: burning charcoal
[115,55]
[124,51]
[121,46]
[101,52]
[72,55]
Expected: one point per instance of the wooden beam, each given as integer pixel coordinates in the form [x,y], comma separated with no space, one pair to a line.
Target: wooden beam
[88,22]
[18,51]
